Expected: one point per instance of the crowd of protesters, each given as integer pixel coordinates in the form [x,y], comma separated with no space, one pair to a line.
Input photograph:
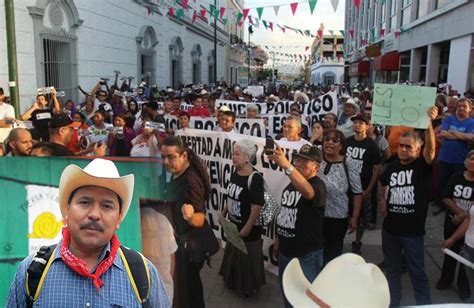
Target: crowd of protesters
[346,170]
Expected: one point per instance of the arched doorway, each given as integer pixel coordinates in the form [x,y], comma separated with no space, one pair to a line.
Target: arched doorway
[176,61]
[210,64]
[196,62]
[146,54]
[55,23]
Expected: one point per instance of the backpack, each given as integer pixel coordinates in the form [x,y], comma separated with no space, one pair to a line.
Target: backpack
[134,263]
[270,206]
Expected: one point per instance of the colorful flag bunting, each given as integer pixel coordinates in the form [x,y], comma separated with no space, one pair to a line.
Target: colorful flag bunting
[294,6]
[357,3]
[270,25]
[342,32]
[335,3]
[221,12]
[203,14]
[382,32]
[179,13]
[171,11]
[184,3]
[194,17]
[351,32]
[245,13]
[306,48]
[265,24]
[312,5]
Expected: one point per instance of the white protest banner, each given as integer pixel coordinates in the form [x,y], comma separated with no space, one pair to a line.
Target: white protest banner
[315,110]
[215,149]
[255,90]
[252,127]
[44,216]
[402,105]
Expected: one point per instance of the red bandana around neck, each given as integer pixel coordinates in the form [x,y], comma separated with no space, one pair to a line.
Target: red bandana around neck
[80,267]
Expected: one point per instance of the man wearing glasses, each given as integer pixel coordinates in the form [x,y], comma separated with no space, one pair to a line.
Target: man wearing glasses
[403,202]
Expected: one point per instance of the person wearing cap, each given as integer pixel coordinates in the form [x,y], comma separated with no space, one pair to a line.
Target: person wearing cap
[220,112]
[61,130]
[198,110]
[344,123]
[7,112]
[20,142]
[299,224]
[403,203]
[86,268]
[366,155]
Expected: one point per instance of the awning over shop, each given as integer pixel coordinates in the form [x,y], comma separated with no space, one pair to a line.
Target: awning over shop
[359,68]
[387,62]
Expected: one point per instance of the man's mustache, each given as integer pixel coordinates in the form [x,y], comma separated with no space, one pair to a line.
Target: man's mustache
[91,225]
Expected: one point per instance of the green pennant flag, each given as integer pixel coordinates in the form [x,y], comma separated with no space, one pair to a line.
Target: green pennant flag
[212,9]
[373,34]
[179,13]
[342,32]
[312,5]
[265,24]
[260,12]
[224,21]
[307,32]
[239,17]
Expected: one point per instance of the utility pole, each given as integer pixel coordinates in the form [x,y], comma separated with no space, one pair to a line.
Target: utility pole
[215,40]
[12,62]
[250,55]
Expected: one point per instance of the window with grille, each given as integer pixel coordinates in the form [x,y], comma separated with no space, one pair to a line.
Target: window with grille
[58,65]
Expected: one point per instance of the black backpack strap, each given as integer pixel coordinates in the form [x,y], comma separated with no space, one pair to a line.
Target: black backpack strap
[138,273]
[36,273]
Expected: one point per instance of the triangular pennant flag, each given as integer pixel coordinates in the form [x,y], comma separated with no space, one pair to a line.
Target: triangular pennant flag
[294,6]
[331,32]
[171,11]
[270,25]
[357,3]
[250,20]
[212,10]
[342,32]
[312,5]
[335,3]
[307,32]
[265,24]
[276,8]
[221,12]
[245,13]
[239,17]
[184,3]
[224,21]
[382,32]
[306,48]
[203,14]
[351,32]
[179,13]
[194,17]
[240,24]
[260,12]
[397,34]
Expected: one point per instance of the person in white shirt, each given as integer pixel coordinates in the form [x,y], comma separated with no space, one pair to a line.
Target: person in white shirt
[292,131]
[7,112]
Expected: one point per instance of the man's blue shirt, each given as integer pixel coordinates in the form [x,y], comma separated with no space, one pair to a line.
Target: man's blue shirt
[63,287]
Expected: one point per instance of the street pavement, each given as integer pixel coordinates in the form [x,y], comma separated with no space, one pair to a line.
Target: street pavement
[216,295]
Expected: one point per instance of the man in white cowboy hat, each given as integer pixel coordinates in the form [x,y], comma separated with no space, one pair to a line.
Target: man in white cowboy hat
[86,268]
[347,281]
[344,123]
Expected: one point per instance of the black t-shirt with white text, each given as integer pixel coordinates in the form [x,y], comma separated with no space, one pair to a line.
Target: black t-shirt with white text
[240,199]
[300,221]
[407,200]
[366,155]
[460,190]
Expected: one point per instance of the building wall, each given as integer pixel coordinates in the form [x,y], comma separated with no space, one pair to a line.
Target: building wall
[106,41]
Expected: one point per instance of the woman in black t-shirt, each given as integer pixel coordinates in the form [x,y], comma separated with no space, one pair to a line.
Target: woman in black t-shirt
[244,272]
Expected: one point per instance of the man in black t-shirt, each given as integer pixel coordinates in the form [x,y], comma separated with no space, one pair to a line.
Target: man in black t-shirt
[299,224]
[403,202]
[61,129]
[366,154]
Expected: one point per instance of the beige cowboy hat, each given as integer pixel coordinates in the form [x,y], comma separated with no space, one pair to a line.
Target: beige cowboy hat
[347,281]
[99,172]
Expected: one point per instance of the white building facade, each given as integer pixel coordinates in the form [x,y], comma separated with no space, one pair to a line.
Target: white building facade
[328,60]
[428,41]
[66,43]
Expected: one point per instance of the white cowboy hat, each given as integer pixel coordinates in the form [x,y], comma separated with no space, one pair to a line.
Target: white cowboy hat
[273,97]
[352,102]
[99,172]
[301,94]
[347,281]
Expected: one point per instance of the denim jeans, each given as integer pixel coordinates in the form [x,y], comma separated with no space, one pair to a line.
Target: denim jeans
[414,251]
[311,264]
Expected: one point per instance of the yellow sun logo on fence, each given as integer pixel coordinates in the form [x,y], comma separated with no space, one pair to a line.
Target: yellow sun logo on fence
[46,226]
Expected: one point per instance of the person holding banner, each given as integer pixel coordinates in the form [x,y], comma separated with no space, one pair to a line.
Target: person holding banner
[460,192]
[189,190]
[342,179]
[299,224]
[198,110]
[244,273]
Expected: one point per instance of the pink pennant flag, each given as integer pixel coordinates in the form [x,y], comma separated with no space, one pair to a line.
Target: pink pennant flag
[382,32]
[203,14]
[294,6]
[240,24]
[171,11]
[194,17]
[282,29]
[306,48]
[245,12]
[357,3]
[397,34]
[363,42]
[184,3]
[270,25]
[250,20]
[221,12]
[351,33]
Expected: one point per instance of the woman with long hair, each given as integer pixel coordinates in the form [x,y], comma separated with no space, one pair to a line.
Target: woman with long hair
[188,190]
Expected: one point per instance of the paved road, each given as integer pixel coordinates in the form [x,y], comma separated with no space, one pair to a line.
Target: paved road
[216,295]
